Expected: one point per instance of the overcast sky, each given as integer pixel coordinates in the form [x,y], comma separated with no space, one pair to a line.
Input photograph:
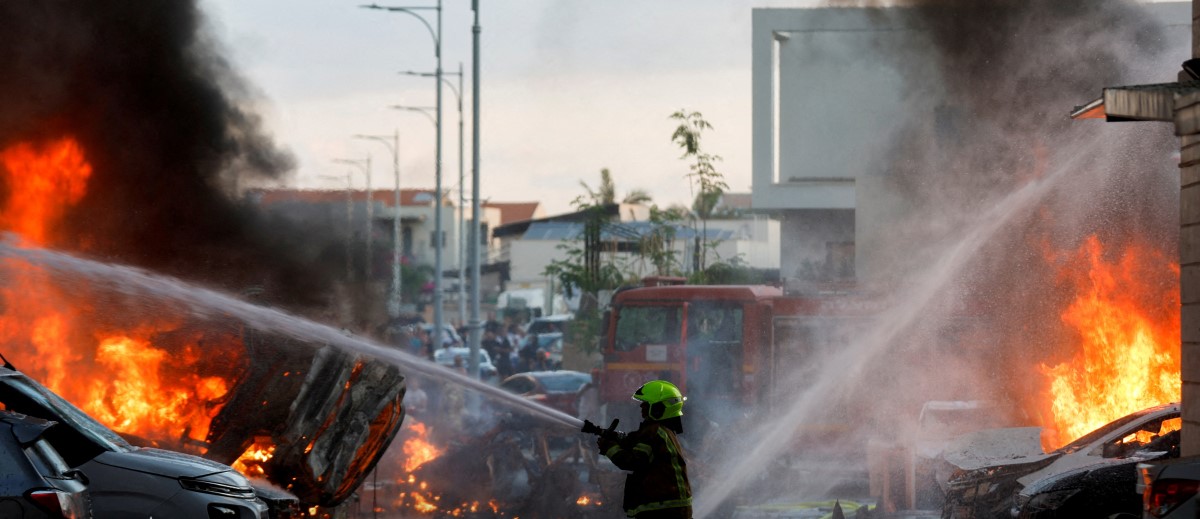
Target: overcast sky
[568,88]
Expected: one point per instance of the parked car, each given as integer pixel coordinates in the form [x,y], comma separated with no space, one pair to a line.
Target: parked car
[36,482]
[1093,476]
[548,350]
[449,334]
[549,324]
[127,481]
[445,357]
[1169,488]
[561,390]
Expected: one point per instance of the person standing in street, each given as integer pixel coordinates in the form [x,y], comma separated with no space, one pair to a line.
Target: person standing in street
[657,486]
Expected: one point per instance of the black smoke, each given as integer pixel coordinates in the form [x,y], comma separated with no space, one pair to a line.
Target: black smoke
[170,131]
[998,79]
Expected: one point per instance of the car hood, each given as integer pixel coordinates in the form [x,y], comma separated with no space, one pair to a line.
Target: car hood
[163,463]
[1078,462]
[997,448]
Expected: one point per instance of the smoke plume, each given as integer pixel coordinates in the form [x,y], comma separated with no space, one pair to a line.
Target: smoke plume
[170,132]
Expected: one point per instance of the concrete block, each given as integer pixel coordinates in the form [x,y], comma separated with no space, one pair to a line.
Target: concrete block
[1189,438]
[1189,199]
[1190,175]
[1186,112]
[1190,365]
[1189,323]
[1189,284]
[1189,245]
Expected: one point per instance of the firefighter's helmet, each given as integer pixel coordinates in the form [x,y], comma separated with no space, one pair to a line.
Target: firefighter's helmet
[665,400]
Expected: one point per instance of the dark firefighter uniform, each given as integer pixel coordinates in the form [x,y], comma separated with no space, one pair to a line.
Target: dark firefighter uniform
[657,486]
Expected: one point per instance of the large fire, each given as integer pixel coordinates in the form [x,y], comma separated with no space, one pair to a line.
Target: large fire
[42,182]
[1126,315]
[142,375]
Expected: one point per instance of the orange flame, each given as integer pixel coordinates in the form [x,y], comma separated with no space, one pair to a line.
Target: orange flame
[251,462]
[1126,314]
[417,450]
[42,183]
[129,375]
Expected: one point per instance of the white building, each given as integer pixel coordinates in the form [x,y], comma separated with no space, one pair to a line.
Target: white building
[530,246]
[816,87]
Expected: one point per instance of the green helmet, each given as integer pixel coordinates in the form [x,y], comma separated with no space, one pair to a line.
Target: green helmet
[666,401]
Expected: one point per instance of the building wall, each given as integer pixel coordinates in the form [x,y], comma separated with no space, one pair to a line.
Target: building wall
[528,258]
[818,85]
[755,242]
[1187,126]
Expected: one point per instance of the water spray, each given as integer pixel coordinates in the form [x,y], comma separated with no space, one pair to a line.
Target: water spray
[207,303]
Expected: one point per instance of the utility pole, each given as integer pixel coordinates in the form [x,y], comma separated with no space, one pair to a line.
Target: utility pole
[437,220]
[394,303]
[475,326]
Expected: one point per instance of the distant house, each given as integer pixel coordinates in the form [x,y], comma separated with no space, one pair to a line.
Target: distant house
[529,246]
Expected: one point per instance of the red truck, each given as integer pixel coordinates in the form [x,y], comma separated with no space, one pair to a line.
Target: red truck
[731,349]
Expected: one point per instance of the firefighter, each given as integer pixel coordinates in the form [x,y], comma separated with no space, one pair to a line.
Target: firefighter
[657,486]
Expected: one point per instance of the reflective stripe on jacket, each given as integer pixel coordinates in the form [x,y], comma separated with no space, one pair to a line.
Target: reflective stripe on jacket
[658,473]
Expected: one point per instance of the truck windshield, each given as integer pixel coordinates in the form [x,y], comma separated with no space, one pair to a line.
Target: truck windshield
[638,325]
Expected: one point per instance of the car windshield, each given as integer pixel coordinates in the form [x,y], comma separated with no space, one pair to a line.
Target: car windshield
[565,383]
[1095,435]
[545,326]
[638,325]
[24,395]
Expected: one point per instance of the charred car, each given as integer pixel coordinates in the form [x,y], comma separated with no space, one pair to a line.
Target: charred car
[325,416]
[127,481]
[1003,473]
[310,418]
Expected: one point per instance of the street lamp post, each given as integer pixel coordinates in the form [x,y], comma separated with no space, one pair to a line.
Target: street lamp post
[396,301]
[437,249]
[474,328]
[462,200]
[365,166]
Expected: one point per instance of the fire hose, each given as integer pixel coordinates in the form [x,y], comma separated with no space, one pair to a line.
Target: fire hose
[609,434]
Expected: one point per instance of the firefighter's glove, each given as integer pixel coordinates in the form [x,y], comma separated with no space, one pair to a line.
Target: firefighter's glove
[605,443]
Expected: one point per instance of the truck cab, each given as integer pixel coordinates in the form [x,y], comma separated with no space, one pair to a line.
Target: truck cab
[705,339]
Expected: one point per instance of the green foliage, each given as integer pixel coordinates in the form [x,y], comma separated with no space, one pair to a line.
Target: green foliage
[572,272]
[707,182]
[704,176]
[584,331]
[605,192]
[732,273]
[657,246]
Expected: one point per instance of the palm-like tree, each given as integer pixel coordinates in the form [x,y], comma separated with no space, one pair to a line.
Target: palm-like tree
[606,192]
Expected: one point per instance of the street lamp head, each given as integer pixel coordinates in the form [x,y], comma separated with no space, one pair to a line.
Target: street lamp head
[413,108]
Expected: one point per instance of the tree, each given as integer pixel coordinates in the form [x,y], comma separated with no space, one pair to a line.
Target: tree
[606,192]
[707,182]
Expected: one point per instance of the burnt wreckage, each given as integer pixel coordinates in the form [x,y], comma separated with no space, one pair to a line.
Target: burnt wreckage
[326,416]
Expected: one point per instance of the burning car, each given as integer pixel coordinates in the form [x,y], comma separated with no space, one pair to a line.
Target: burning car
[312,419]
[126,481]
[1092,476]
